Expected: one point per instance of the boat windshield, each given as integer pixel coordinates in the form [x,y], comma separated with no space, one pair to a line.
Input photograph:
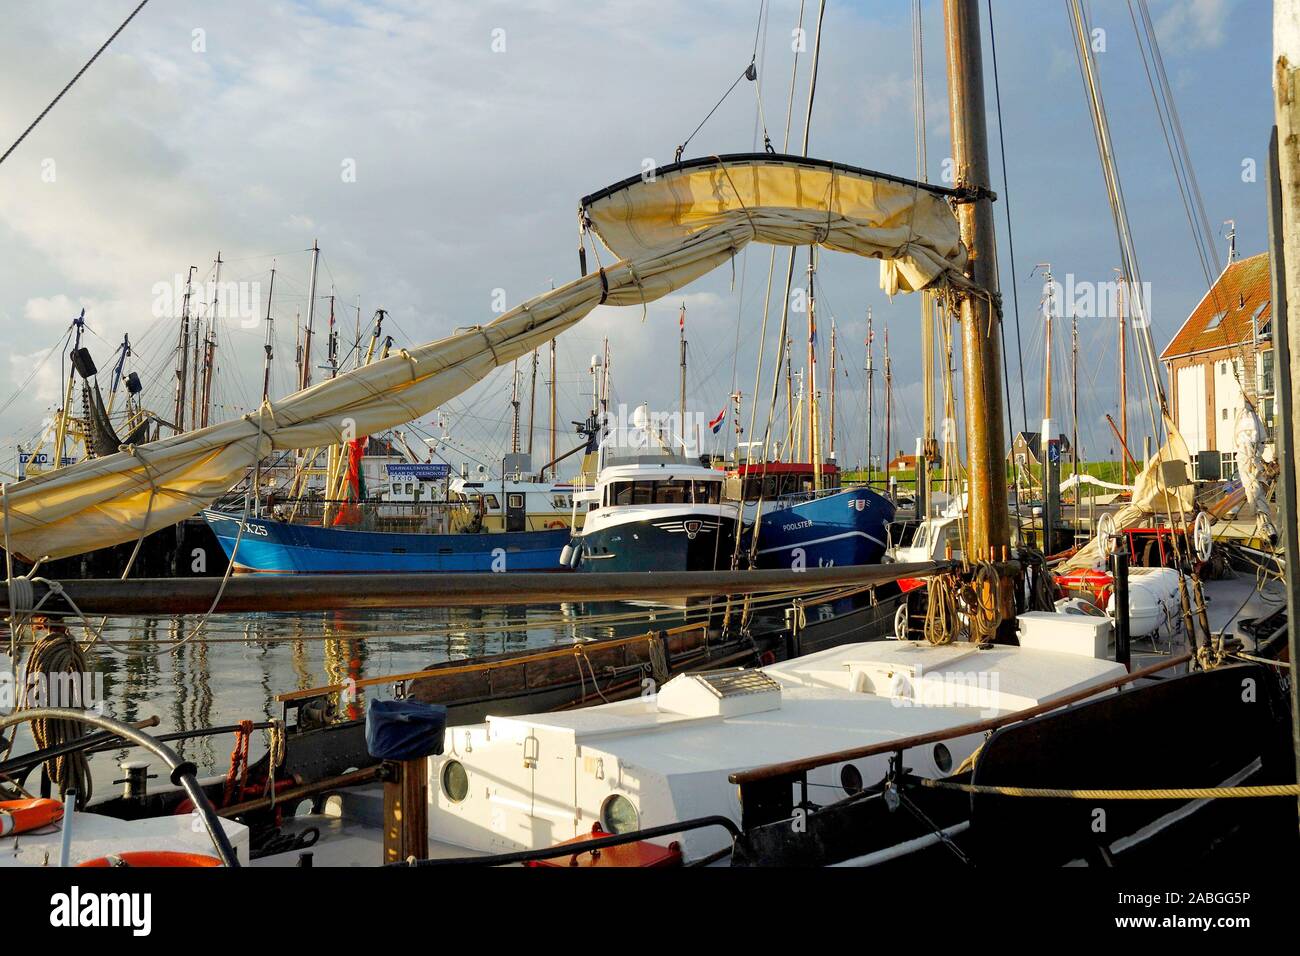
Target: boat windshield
[669,492]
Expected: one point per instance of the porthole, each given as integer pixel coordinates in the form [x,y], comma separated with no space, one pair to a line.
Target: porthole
[942,758]
[455,781]
[617,815]
[851,779]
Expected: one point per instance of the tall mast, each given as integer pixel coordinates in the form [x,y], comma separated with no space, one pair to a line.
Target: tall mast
[981,326]
[61,430]
[927,302]
[304,379]
[810,383]
[514,406]
[1074,401]
[210,346]
[269,344]
[1049,311]
[871,389]
[783,337]
[1123,379]
[681,335]
[333,340]
[356,340]
[889,403]
[832,410]
[532,405]
[196,373]
[182,370]
[554,423]
[789,394]
[209,364]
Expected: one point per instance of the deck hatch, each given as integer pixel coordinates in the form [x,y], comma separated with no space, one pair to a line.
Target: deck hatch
[737,682]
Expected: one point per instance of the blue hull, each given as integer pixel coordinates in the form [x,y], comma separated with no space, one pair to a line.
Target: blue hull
[275,547]
[846,528]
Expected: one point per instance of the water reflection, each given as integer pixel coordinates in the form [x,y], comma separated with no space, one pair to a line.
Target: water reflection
[241,662]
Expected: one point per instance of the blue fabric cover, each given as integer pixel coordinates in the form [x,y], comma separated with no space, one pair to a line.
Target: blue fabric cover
[404,729]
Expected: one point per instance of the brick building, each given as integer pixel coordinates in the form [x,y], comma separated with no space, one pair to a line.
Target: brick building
[1223,352]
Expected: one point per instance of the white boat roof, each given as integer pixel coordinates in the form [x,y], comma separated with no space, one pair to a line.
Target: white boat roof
[851,696]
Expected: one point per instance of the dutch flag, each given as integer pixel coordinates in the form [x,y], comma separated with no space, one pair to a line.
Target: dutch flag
[716,424]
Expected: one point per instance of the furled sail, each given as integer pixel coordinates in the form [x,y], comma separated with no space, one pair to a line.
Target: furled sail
[1162,487]
[666,230]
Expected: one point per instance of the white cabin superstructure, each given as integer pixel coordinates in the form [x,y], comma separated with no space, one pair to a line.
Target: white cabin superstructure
[530,782]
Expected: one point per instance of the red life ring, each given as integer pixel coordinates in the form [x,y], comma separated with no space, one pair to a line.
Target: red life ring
[21,816]
[152,858]
[555,524]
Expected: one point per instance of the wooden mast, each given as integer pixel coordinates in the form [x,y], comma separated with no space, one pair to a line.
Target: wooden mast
[532,408]
[871,391]
[889,405]
[1284,229]
[1074,405]
[61,429]
[304,374]
[554,423]
[832,380]
[1123,379]
[182,371]
[981,325]
[814,440]
[928,447]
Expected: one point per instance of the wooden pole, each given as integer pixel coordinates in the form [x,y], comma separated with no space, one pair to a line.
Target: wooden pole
[832,380]
[256,592]
[981,325]
[871,392]
[554,423]
[1284,225]
[532,407]
[1123,377]
[182,371]
[406,809]
[304,375]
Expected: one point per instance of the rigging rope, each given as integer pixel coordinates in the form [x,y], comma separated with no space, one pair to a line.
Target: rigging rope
[74,79]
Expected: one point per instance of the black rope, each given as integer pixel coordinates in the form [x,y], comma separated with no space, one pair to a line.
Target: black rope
[72,81]
[750,73]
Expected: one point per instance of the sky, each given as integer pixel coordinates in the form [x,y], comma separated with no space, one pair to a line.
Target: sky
[437,152]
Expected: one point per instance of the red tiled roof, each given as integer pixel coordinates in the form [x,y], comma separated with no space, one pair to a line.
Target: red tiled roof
[1245,279]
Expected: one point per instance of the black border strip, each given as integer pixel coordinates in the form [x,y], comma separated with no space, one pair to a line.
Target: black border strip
[701,161]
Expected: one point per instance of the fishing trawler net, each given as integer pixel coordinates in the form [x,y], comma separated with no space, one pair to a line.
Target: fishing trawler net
[664,230]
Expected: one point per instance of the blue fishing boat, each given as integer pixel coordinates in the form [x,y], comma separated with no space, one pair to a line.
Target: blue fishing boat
[800,526]
[270,546]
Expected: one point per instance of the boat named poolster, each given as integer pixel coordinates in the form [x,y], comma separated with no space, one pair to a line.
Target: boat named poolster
[653,507]
[808,524]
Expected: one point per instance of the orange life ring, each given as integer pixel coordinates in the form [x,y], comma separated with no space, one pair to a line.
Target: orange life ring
[20,816]
[152,858]
[556,524]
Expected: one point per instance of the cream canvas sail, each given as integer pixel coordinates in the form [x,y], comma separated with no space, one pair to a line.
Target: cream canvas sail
[1161,488]
[663,231]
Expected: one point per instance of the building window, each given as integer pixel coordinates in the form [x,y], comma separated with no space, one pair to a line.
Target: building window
[1214,321]
[1266,372]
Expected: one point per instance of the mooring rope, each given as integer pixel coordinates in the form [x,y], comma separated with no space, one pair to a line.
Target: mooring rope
[1177,793]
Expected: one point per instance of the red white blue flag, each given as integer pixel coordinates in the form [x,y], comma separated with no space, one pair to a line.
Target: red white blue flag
[716,424]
